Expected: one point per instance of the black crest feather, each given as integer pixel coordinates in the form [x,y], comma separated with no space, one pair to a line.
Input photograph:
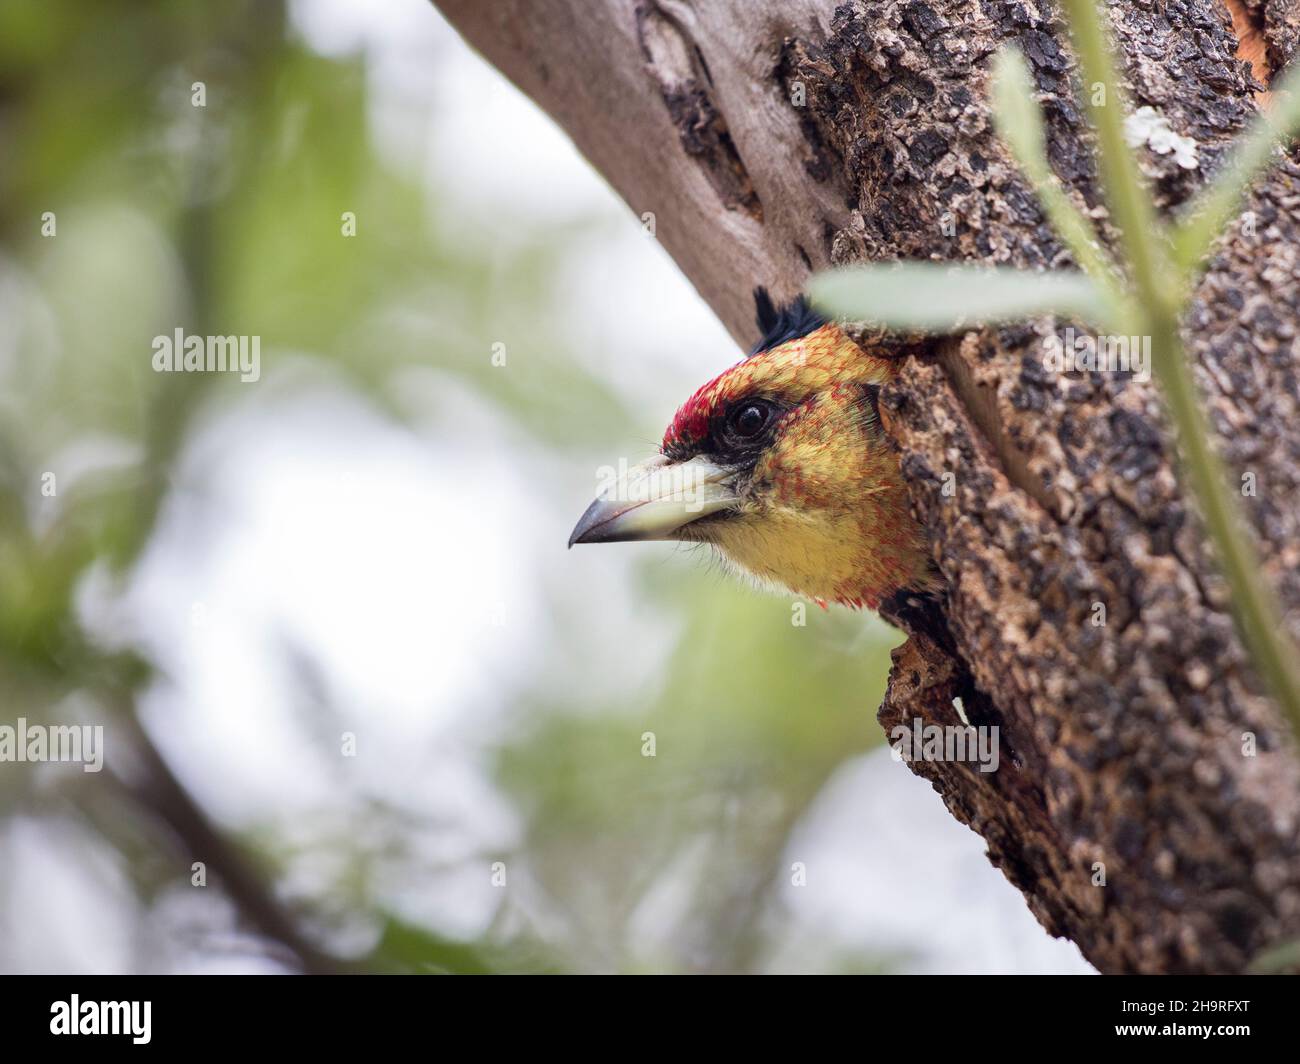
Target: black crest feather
[779,326]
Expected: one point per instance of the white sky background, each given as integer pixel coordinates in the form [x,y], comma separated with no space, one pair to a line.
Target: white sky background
[318,523]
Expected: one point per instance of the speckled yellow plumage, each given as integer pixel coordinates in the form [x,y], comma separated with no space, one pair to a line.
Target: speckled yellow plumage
[826,513]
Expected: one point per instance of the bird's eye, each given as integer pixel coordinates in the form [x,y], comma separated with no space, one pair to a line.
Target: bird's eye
[749,419]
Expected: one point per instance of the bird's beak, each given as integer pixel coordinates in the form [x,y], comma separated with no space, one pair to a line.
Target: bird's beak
[654,500]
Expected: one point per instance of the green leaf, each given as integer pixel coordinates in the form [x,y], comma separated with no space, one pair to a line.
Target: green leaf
[1020,124]
[406,948]
[1213,207]
[1016,112]
[941,297]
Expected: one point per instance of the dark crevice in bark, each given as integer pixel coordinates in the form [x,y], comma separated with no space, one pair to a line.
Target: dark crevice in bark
[981,408]
[677,64]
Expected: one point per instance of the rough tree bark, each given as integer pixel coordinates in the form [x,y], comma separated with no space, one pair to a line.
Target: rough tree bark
[773,138]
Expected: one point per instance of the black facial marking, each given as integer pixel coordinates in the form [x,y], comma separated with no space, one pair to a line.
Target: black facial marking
[745,430]
[871,392]
[738,434]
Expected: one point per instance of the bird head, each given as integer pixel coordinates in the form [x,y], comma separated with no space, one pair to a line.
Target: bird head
[780,464]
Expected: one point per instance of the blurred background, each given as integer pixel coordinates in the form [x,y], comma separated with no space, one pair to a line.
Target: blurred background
[361,707]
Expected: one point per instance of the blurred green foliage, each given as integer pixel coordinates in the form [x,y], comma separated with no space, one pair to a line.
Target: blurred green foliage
[226,219]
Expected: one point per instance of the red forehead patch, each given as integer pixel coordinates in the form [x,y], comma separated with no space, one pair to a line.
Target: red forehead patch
[691,423]
[807,359]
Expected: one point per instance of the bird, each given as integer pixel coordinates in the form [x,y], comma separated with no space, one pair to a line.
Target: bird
[780,464]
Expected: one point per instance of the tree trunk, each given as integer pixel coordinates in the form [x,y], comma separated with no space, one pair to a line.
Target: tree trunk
[1148,800]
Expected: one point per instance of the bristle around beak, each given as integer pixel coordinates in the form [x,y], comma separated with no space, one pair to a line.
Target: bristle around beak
[655,500]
